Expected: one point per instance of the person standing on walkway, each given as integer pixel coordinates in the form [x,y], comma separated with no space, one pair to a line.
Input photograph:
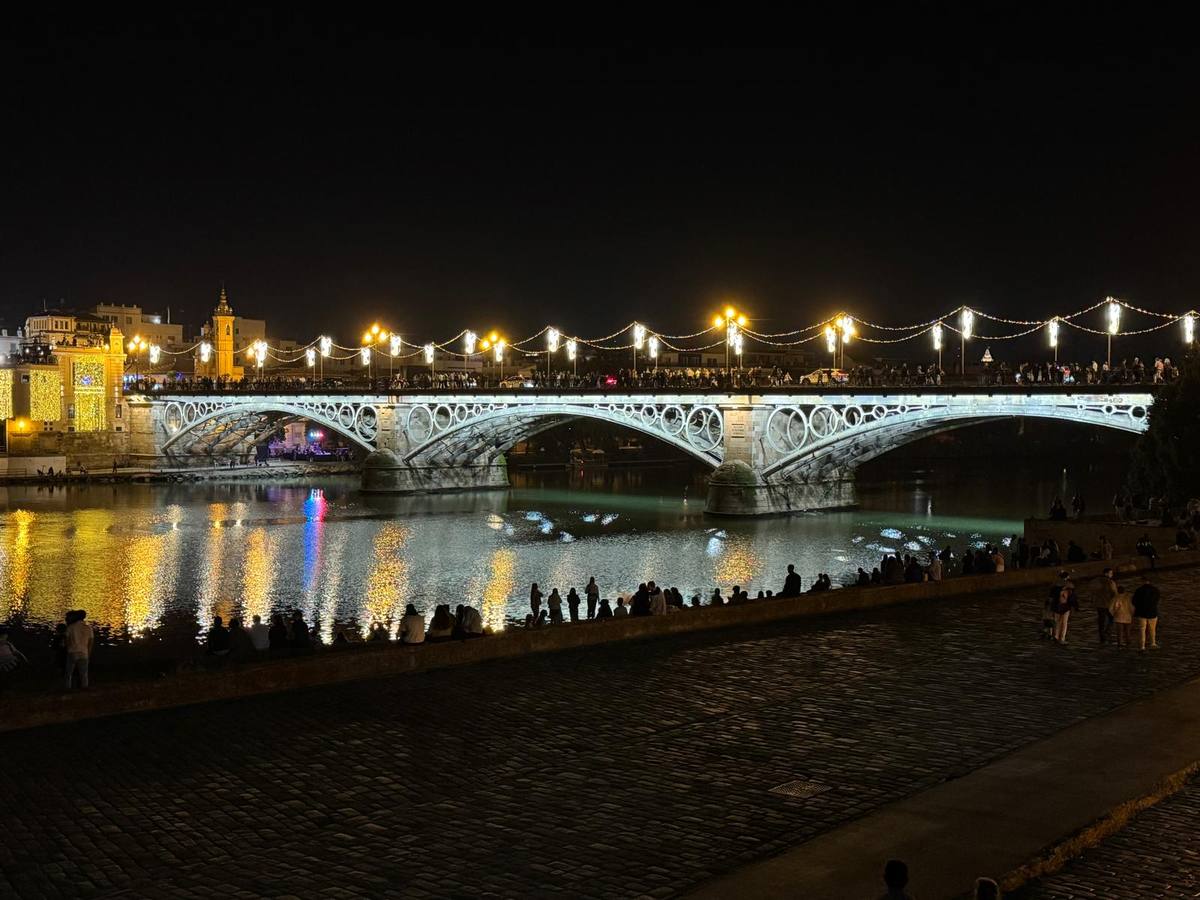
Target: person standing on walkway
[657,600]
[1063,607]
[1104,592]
[1122,613]
[593,597]
[535,601]
[1145,613]
[554,604]
[80,640]
[791,584]
[573,605]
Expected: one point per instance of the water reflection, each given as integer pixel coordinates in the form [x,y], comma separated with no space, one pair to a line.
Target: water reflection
[131,554]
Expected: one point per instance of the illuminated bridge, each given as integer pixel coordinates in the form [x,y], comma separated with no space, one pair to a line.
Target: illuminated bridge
[770,452]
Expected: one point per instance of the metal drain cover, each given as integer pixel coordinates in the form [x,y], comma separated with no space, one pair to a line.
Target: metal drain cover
[800,789]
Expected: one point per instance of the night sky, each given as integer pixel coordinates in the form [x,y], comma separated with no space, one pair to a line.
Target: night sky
[330,174]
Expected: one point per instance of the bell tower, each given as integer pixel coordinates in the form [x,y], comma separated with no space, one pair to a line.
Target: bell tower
[220,334]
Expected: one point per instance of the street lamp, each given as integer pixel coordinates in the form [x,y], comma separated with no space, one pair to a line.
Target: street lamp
[552,337]
[310,357]
[733,322]
[326,345]
[937,343]
[654,351]
[496,344]
[469,339]
[136,346]
[205,351]
[966,326]
[845,327]
[1114,324]
[737,349]
[155,350]
[1052,334]
[572,349]
[429,356]
[365,355]
[639,338]
[1189,328]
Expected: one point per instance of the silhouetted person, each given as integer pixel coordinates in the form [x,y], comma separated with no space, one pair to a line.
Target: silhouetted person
[277,635]
[593,597]
[218,638]
[895,876]
[791,584]
[301,639]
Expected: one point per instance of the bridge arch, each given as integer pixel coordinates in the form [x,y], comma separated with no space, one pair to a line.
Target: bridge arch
[207,424]
[454,434]
[820,439]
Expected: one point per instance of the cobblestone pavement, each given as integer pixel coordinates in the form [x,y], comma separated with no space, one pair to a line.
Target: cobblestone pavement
[617,771]
[1156,855]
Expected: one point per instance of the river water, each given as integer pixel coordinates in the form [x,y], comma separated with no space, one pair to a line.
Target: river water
[132,554]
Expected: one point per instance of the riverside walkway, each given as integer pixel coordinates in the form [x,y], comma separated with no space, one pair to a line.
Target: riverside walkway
[609,771]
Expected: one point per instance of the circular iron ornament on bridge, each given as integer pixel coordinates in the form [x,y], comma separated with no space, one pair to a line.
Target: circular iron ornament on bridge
[443,417]
[345,416]
[418,424]
[649,415]
[787,429]
[672,420]
[1137,413]
[173,417]
[824,422]
[190,413]
[366,422]
[853,415]
[704,428]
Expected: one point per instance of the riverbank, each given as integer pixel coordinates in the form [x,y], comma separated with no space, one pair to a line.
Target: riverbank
[375,660]
[275,469]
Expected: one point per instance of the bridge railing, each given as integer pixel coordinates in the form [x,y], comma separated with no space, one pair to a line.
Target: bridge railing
[346,387]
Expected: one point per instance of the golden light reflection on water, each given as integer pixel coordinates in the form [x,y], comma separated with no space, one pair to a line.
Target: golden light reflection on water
[144,584]
[92,563]
[258,574]
[387,585]
[18,560]
[738,563]
[502,580]
[210,593]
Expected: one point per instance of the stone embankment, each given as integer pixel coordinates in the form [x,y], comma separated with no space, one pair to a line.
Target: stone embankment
[367,661]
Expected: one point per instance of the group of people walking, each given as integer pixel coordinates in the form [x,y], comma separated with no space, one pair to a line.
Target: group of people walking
[1130,616]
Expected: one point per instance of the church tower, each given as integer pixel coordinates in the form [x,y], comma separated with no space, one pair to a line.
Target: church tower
[220,335]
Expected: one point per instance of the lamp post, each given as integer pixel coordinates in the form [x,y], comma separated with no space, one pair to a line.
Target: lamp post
[653,345]
[733,322]
[966,328]
[430,354]
[937,344]
[496,344]
[365,355]
[552,337]
[1114,324]
[845,328]
[326,345]
[395,345]
[572,355]
[1189,328]
[310,357]
[1052,334]
[639,338]
[137,345]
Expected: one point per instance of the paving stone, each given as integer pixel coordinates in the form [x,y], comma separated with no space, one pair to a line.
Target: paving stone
[610,771]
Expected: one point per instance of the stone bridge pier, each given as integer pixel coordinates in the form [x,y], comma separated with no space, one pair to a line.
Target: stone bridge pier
[769,453]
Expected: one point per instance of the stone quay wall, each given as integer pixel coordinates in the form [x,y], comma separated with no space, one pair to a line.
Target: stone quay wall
[380,660]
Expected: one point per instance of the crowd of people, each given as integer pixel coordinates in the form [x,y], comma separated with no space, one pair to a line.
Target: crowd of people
[699,378]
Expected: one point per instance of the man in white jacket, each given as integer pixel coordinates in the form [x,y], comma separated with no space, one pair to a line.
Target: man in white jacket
[79,642]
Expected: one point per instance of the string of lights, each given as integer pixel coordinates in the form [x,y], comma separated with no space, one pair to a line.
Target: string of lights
[380,343]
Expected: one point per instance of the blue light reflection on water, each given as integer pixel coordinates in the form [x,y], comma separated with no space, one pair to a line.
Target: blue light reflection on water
[326,549]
